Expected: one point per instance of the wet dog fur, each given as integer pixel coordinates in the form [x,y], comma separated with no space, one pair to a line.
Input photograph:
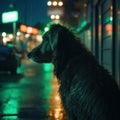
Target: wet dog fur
[88,91]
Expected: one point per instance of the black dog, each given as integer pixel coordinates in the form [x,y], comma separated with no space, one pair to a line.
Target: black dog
[87,90]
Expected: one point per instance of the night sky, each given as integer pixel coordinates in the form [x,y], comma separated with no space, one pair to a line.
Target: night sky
[30,11]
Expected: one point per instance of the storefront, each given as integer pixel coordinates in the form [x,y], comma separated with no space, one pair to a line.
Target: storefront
[106,34]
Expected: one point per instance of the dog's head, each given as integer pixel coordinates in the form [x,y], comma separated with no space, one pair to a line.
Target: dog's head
[43,53]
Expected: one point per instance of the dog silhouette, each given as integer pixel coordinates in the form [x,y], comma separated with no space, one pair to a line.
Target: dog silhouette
[87,90]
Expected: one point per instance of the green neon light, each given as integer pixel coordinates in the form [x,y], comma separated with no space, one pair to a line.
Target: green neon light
[46,29]
[84,23]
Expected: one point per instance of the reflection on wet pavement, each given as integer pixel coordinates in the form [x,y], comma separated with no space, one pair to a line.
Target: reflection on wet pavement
[56,110]
[30,95]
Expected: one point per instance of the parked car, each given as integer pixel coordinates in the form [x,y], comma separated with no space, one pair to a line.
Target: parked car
[8,59]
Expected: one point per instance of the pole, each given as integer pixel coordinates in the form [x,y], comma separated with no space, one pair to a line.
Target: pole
[14,31]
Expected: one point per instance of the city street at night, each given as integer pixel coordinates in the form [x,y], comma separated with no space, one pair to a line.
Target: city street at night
[50,48]
[32,94]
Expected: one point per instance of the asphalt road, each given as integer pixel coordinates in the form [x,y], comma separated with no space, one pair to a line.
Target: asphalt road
[32,94]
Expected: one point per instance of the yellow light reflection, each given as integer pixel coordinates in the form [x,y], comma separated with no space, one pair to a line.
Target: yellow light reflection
[30,72]
[56,111]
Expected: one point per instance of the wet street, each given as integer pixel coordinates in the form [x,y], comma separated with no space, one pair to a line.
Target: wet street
[32,94]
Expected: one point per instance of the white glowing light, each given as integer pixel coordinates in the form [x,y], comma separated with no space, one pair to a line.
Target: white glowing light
[46,29]
[60,3]
[4,40]
[18,33]
[39,38]
[49,3]
[54,3]
[11,36]
[27,35]
[57,17]
[111,18]
[4,34]
[52,16]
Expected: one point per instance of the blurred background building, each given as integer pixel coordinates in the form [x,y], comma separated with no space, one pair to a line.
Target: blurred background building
[97,22]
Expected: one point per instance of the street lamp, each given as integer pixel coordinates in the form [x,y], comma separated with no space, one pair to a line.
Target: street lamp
[4,34]
[60,3]
[52,17]
[54,3]
[49,3]
[11,16]
[55,9]
[57,17]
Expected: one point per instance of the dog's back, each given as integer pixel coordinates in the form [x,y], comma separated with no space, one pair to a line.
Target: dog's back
[89,93]
[87,90]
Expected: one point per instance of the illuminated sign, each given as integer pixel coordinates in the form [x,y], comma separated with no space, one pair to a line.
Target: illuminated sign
[11,16]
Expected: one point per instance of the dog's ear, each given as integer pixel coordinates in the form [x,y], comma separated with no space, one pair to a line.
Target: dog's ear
[52,38]
[52,35]
[44,52]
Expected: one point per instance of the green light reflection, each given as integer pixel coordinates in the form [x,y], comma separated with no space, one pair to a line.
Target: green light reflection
[10,99]
[47,67]
[10,118]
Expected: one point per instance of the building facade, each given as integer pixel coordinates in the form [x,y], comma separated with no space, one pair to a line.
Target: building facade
[101,33]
